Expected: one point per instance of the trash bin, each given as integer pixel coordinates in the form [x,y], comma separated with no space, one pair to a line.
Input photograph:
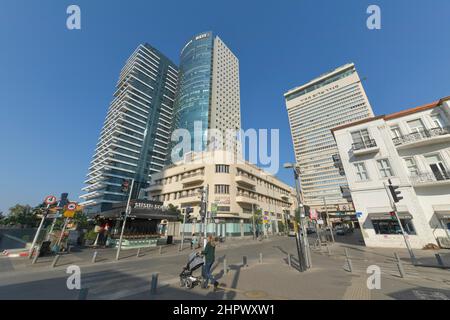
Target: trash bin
[169,239]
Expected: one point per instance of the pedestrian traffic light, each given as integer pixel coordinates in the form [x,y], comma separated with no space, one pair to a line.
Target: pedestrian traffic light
[188,211]
[394,192]
[392,214]
[125,185]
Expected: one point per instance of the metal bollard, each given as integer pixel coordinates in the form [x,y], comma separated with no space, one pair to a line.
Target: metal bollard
[138,252]
[83,293]
[329,250]
[36,256]
[225,267]
[55,260]
[289,260]
[349,262]
[244,261]
[154,283]
[94,257]
[160,249]
[69,248]
[401,270]
[439,260]
[260,258]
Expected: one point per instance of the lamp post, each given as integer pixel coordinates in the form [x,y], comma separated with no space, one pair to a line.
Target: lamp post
[302,237]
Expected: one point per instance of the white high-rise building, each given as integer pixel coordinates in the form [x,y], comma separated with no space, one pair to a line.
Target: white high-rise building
[331,100]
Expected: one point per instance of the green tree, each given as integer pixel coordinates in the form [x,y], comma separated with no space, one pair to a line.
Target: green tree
[173,210]
[22,215]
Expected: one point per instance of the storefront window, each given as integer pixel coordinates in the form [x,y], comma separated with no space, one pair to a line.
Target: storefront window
[392,227]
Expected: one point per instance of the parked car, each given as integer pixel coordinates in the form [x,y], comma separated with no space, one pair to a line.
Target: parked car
[310,230]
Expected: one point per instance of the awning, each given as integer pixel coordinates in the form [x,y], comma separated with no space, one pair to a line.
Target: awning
[442,211]
[387,216]
[141,209]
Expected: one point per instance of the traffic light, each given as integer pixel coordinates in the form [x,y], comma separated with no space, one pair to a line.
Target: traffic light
[188,211]
[392,214]
[394,192]
[125,185]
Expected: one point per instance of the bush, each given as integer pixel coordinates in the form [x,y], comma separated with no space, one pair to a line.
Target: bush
[90,235]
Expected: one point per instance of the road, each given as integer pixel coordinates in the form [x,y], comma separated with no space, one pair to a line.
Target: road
[130,277]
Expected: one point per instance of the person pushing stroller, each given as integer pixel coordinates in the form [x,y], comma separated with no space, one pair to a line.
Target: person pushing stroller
[209,253]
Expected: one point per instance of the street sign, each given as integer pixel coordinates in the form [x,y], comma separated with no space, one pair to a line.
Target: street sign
[320,221]
[71,206]
[49,200]
[69,213]
[214,209]
[359,214]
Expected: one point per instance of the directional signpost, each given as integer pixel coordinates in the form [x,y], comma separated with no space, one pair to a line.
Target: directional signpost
[49,200]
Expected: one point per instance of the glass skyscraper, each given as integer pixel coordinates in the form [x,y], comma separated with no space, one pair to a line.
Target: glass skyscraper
[208,88]
[134,141]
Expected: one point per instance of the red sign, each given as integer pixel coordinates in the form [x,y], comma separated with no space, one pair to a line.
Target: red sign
[49,200]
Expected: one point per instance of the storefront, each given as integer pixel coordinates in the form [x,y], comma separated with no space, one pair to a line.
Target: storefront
[385,223]
[146,222]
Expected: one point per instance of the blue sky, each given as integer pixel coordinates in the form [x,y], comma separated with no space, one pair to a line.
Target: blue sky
[56,84]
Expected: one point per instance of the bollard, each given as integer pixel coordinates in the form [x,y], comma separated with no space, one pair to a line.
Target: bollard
[244,261]
[439,260]
[349,262]
[329,250]
[225,267]
[399,265]
[36,256]
[154,283]
[260,258]
[94,257]
[55,260]
[160,249]
[289,260]
[82,294]
[69,248]
[138,252]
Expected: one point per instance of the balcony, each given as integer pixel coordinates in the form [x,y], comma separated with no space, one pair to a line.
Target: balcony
[245,180]
[196,177]
[364,147]
[245,198]
[155,187]
[431,179]
[190,198]
[422,138]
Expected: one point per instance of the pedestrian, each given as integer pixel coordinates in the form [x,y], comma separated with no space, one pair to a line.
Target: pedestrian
[193,240]
[209,253]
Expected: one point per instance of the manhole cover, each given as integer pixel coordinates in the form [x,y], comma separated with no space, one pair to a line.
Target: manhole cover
[255,294]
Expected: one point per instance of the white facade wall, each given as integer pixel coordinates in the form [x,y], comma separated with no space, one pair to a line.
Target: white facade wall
[422,193]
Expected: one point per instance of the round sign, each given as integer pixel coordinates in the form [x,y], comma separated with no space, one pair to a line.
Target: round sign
[71,206]
[50,200]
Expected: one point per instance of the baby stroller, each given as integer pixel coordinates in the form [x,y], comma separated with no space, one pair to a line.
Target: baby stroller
[195,261]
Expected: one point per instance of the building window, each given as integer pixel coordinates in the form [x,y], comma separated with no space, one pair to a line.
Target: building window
[361,139]
[437,121]
[222,189]
[222,168]
[392,227]
[416,126]
[437,167]
[395,132]
[385,168]
[411,166]
[361,171]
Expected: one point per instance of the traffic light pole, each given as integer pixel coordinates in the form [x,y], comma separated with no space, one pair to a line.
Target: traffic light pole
[127,211]
[405,238]
[182,231]
[38,231]
[254,225]
[328,219]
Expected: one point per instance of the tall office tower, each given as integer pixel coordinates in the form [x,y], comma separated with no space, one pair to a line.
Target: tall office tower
[134,141]
[208,90]
[333,99]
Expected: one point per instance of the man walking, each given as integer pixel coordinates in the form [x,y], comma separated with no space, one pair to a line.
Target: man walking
[209,253]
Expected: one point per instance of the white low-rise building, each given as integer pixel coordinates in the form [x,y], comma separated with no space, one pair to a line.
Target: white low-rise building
[412,149]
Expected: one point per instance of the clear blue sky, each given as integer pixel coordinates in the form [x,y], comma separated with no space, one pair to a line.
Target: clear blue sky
[56,84]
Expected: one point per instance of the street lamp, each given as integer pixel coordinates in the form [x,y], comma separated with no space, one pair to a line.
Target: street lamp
[302,238]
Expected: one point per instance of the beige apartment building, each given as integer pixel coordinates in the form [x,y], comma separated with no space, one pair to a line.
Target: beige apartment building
[235,189]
